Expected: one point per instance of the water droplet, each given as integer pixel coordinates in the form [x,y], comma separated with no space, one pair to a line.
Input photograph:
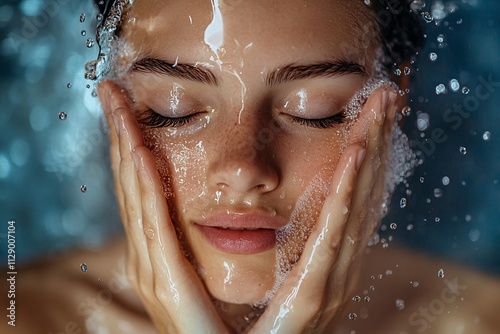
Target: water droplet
[433,56]
[459,21]
[372,288]
[400,304]
[367,299]
[406,111]
[445,180]
[437,219]
[409,227]
[68,85]
[99,17]
[352,316]
[454,85]
[440,89]
[367,2]
[402,203]
[62,116]
[440,38]
[87,86]
[407,71]
[380,276]
[422,179]
[397,72]
[465,90]
[414,284]
[83,267]
[438,193]
[486,135]
[356,298]
[83,32]
[149,233]
[474,235]
[423,121]
[463,150]
[99,279]
[82,17]
[427,17]
[83,188]
[468,218]
[94,93]
[89,42]
[388,272]
[393,226]
[441,273]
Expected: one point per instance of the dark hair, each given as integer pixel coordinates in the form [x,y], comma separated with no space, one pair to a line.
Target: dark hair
[401,30]
[400,27]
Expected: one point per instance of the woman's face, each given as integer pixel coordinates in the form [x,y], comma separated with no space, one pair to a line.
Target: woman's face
[241,104]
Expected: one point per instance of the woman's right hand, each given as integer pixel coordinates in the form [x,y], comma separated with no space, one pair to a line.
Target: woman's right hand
[167,284]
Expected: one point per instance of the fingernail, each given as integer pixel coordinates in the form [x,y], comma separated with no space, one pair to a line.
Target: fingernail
[359,158]
[136,159]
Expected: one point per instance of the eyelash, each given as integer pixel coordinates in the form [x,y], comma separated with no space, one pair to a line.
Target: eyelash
[155,120]
[322,123]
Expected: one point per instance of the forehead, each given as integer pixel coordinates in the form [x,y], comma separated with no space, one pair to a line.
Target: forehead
[315,28]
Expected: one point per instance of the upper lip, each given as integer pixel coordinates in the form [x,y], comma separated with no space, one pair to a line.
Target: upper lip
[255,219]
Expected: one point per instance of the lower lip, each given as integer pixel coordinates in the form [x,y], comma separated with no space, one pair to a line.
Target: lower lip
[239,241]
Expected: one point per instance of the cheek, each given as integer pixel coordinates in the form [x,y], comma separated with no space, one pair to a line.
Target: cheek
[182,169]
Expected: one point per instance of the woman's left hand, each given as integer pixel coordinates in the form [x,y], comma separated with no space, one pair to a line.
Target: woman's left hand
[312,297]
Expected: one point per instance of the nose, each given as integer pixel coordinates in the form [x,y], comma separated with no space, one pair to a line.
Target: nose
[244,170]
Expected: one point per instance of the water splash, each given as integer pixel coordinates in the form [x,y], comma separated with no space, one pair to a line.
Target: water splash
[214,33]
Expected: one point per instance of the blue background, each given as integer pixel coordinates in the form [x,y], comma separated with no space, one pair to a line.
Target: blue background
[44,161]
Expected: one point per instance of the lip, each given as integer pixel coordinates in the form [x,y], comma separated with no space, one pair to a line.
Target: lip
[241,232]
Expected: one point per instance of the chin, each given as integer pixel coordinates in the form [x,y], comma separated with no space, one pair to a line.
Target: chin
[240,279]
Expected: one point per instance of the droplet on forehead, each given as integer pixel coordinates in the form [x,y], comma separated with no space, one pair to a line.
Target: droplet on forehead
[83,267]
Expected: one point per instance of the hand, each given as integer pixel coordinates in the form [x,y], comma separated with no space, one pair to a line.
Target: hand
[312,296]
[167,284]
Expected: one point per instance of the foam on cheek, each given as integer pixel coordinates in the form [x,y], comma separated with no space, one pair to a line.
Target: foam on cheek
[291,239]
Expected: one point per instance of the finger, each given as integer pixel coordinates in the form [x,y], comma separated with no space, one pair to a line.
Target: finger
[297,304]
[130,136]
[105,90]
[176,284]
[370,171]
[370,182]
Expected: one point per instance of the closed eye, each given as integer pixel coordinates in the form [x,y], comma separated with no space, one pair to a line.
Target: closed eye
[321,123]
[155,120]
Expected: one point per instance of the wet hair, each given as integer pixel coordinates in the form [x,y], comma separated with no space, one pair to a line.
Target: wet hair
[399,23]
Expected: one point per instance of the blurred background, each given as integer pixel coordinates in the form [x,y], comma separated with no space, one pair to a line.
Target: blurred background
[56,184]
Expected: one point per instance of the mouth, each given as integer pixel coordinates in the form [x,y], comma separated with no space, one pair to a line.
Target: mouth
[240,233]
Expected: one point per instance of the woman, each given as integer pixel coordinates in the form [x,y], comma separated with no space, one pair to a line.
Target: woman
[249,141]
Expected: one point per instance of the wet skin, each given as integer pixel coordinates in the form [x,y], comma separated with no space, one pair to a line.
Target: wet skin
[284,73]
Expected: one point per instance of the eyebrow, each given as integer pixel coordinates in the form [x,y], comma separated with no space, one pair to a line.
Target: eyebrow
[278,76]
[316,70]
[178,70]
